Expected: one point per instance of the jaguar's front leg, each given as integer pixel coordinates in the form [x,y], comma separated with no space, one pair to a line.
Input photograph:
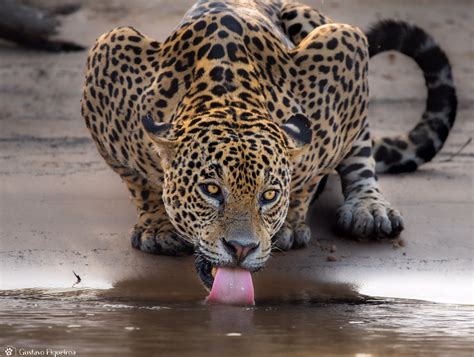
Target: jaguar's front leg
[295,233]
[154,232]
[366,213]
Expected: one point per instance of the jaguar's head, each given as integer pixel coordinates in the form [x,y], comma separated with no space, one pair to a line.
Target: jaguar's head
[227,185]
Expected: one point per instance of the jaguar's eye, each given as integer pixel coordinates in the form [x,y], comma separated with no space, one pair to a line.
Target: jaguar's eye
[269,196]
[211,189]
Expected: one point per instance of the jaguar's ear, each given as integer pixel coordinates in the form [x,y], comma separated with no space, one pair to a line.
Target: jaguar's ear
[299,134]
[157,132]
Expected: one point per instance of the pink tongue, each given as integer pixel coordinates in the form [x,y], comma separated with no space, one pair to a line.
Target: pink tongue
[232,287]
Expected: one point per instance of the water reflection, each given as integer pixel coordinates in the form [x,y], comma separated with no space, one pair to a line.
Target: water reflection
[92,324]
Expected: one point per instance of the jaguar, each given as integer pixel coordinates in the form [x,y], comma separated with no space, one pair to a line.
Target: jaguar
[224,132]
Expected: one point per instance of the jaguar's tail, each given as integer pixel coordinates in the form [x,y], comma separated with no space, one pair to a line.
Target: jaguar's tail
[407,151]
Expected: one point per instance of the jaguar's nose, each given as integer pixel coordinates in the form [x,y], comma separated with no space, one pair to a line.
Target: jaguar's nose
[239,250]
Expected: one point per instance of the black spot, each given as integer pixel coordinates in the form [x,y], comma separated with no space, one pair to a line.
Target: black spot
[134,38]
[216,52]
[332,44]
[218,90]
[316,45]
[367,174]
[290,15]
[145,194]
[203,50]
[427,151]
[197,40]
[211,28]
[294,29]
[349,62]
[232,24]
[187,35]
[217,74]
[256,41]
[301,59]
[339,56]
[161,103]
[232,51]
[318,58]
[137,50]
[349,46]
[401,144]
[324,69]
[198,26]
[222,34]
[389,156]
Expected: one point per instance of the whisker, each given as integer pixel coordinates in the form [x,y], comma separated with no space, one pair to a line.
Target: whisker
[275,247]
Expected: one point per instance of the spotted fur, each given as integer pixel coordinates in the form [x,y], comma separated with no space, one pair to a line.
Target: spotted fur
[248,96]
[406,152]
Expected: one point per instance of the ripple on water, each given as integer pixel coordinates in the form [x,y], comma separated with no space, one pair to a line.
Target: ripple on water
[89,322]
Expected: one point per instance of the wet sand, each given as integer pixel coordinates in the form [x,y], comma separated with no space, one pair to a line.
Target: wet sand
[63,210]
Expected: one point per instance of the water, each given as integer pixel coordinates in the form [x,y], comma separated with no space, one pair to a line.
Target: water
[91,322]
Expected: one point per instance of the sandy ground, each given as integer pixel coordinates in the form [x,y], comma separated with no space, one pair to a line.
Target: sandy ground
[63,209]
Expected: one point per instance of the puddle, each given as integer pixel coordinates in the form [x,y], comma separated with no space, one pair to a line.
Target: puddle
[89,322]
